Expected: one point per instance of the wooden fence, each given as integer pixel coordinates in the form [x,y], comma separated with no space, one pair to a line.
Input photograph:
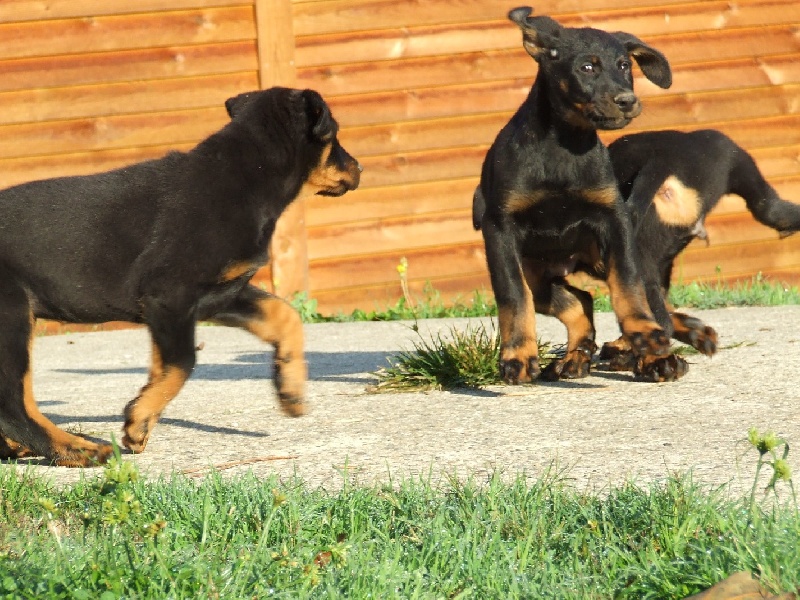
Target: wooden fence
[420,88]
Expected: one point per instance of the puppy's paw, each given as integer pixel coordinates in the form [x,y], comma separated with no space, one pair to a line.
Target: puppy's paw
[574,365]
[10,450]
[618,355]
[290,381]
[653,342]
[519,370]
[136,431]
[695,333]
[81,454]
[660,368]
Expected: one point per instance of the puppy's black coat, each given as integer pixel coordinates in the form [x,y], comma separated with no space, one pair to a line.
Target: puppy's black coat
[166,243]
[548,203]
[671,180]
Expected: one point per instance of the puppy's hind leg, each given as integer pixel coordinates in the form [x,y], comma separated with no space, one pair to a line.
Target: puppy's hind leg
[26,431]
[574,308]
[274,321]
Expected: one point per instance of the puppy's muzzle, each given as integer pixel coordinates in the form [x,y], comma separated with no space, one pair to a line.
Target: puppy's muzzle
[349,180]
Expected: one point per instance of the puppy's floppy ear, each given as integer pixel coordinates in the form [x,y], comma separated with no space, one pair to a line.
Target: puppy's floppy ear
[540,35]
[653,64]
[323,127]
[234,105]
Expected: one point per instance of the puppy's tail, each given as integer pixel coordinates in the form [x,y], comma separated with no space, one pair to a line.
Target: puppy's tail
[478,208]
[762,200]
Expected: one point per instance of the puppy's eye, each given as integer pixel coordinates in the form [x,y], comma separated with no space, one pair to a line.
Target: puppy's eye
[587,68]
[553,53]
[625,66]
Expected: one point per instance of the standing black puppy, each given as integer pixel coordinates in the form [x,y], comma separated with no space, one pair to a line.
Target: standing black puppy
[548,204]
[671,180]
[165,243]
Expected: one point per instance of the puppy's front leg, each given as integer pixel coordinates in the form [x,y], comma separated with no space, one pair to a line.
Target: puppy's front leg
[173,360]
[649,342]
[519,352]
[274,321]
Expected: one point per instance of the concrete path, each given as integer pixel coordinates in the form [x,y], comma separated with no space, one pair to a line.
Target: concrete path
[602,429]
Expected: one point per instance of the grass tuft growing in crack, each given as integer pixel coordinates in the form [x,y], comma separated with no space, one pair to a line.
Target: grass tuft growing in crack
[459,358]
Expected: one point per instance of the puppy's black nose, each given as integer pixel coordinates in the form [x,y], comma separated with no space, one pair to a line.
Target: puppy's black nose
[625,101]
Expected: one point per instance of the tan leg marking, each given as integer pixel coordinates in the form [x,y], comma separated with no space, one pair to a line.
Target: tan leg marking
[519,350]
[65,450]
[281,326]
[635,317]
[142,413]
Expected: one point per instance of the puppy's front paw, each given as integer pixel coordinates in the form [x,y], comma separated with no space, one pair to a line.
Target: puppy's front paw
[660,368]
[574,365]
[290,380]
[519,370]
[654,342]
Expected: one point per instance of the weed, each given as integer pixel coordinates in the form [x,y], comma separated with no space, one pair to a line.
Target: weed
[461,358]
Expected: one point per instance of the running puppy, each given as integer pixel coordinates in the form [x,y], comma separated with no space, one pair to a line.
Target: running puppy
[548,203]
[671,180]
[165,243]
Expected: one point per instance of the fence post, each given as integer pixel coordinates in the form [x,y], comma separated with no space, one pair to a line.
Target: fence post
[275,39]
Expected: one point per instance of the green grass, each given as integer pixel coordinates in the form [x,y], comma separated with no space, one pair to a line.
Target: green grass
[252,538]
[758,291]
[459,358]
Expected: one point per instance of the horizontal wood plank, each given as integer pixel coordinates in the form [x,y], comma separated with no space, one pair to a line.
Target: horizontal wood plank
[496,65]
[414,136]
[506,96]
[337,16]
[457,131]
[31,106]
[433,165]
[382,296]
[20,170]
[392,201]
[409,42]
[697,109]
[103,133]
[381,268]
[15,11]
[128,65]
[429,103]
[453,227]
[141,30]
[740,259]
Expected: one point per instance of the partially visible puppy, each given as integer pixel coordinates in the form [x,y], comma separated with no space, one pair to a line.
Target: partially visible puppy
[165,243]
[671,180]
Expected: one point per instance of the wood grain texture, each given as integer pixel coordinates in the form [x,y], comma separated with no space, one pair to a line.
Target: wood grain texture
[12,11]
[123,32]
[128,65]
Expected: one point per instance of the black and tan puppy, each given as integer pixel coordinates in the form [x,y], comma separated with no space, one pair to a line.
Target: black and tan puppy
[548,203]
[166,243]
[671,180]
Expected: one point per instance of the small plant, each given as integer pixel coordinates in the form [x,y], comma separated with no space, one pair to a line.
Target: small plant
[462,358]
[766,444]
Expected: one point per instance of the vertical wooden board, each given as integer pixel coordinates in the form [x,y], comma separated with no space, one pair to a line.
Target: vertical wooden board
[274,24]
